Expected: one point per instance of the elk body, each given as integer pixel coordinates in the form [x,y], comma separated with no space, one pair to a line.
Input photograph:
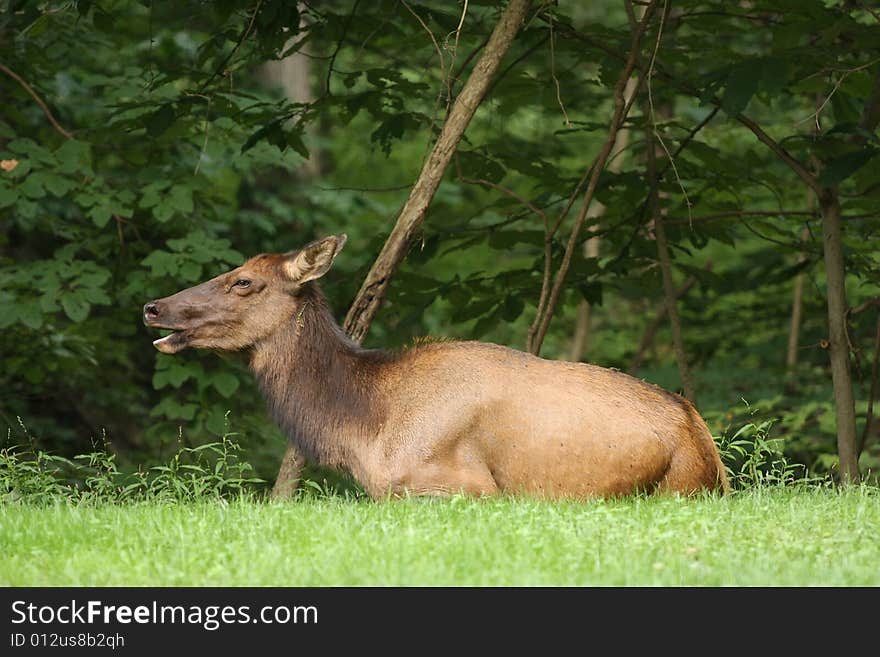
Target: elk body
[439,418]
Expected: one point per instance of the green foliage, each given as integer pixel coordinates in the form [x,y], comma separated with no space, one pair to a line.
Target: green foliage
[211,471]
[182,162]
[757,459]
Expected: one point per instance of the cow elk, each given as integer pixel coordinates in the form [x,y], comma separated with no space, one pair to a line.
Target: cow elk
[441,417]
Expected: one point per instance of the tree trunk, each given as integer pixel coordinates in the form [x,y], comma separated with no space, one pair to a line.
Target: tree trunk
[669,291]
[293,75]
[375,286]
[794,329]
[872,395]
[838,341]
[797,311]
[684,370]
[652,328]
[581,339]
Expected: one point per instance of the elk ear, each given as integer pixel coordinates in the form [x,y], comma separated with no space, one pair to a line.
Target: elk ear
[313,260]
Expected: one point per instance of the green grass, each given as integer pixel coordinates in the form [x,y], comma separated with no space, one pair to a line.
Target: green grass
[771,536]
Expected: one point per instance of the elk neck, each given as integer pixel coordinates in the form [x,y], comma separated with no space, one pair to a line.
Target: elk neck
[322,388]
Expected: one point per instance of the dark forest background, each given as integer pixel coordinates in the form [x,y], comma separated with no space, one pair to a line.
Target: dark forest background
[149,145]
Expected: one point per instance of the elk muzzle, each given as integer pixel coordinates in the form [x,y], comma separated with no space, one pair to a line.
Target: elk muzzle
[156,315]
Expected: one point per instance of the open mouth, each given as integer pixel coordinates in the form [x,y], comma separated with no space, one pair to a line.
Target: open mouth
[167,339]
[173,342]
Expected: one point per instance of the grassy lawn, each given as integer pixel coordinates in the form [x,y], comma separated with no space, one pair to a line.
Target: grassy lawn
[796,536]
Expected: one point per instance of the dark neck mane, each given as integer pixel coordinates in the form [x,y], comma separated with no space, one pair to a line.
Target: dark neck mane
[320,385]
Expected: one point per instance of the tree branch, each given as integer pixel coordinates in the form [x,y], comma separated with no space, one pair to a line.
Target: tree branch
[539,327]
[687,140]
[797,167]
[509,192]
[375,286]
[244,35]
[862,307]
[339,47]
[732,214]
[38,100]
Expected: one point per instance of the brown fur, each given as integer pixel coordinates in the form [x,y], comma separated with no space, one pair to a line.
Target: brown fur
[441,417]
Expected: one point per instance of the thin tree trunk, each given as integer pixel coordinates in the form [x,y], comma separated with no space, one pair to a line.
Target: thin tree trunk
[669,291]
[652,328]
[544,315]
[375,286]
[592,247]
[797,309]
[838,338]
[581,339]
[797,301]
[293,74]
[872,395]
[794,329]
[838,341]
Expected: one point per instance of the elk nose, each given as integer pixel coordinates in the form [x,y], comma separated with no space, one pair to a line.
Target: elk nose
[151,311]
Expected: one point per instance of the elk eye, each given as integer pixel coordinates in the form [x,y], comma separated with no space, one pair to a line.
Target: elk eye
[242,282]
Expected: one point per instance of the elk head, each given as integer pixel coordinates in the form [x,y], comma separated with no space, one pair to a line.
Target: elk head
[244,306]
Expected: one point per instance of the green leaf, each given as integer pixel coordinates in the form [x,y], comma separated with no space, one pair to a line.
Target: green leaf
[104,21]
[74,156]
[773,74]
[174,410]
[175,374]
[94,295]
[32,187]
[163,211]
[486,323]
[85,199]
[191,271]
[29,314]
[8,311]
[100,215]
[225,383]
[152,193]
[742,83]
[841,168]
[512,308]
[392,128]
[32,149]
[476,165]
[8,196]
[271,132]
[161,263]
[294,140]
[58,185]
[75,307]
[592,293]
[474,309]
[181,199]
[160,120]
[505,239]
[216,424]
